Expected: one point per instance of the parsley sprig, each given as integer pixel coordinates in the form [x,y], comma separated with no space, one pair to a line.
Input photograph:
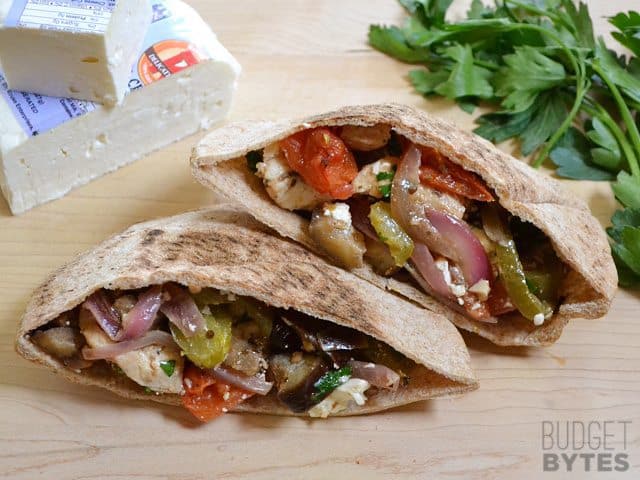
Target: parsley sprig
[330,381]
[385,181]
[557,89]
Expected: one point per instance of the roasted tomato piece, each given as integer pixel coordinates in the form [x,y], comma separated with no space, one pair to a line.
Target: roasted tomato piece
[442,174]
[499,302]
[207,398]
[323,160]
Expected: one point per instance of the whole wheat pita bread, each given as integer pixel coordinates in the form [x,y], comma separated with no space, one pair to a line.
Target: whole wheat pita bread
[228,250]
[578,239]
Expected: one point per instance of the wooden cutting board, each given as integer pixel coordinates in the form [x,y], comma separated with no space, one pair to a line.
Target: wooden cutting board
[299,58]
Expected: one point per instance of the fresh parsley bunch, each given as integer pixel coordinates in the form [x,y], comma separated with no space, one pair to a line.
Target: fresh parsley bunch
[558,90]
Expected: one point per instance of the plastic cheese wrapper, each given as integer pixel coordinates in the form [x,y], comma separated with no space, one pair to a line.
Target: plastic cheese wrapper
[182,81]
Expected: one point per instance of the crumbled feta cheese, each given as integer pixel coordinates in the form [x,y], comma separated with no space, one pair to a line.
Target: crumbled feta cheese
[458,290]
[382,165]
[339,211]
[538,319]
[283,185]
[188,383]
[225,396]
[460,301]
[338,400]
[206,310]
[482,288]
[443,265]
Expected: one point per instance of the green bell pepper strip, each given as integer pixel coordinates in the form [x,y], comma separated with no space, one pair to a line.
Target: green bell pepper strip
[209,348]
[510,267]
[391,233]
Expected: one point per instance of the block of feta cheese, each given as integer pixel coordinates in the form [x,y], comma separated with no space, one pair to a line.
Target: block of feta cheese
[72,48]
[182,81]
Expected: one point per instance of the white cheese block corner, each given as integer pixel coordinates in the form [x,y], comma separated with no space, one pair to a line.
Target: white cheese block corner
[83,64]
[41,168]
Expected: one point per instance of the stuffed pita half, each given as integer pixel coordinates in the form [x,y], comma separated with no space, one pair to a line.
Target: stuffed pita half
[211,311]
[417,206]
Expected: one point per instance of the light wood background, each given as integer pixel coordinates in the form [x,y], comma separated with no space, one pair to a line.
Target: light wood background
[299,57]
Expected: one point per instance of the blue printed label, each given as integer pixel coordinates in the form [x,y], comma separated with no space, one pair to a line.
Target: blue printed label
[38,113]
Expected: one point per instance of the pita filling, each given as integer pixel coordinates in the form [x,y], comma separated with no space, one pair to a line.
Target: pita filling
[217,350]
[373,196]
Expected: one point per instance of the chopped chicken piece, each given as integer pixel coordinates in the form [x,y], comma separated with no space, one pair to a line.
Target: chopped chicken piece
[284,186]
[367,179]
[142,366]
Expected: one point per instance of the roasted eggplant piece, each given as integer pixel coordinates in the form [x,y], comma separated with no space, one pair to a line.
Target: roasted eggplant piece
[380,258]
[303,326]
[295,380]
[316,335]
[283,338]
[335,338]
[61,342]
[337,236]
[244,357]
[383,354]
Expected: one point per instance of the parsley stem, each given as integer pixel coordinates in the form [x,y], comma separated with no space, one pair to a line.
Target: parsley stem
[487,65]
[580,93]
[626,117]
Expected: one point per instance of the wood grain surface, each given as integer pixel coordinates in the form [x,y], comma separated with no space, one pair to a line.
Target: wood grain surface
[299,57]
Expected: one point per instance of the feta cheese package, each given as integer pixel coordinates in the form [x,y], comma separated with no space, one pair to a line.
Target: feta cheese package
[86,47]
[182,81]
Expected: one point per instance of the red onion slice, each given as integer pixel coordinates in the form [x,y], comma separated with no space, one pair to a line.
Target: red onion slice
[182,311]
[359,208]
[377,375]
[252,384]
[469,252]
[407,205]
[140,318]
[430,273]
[112,350]
[105,314]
